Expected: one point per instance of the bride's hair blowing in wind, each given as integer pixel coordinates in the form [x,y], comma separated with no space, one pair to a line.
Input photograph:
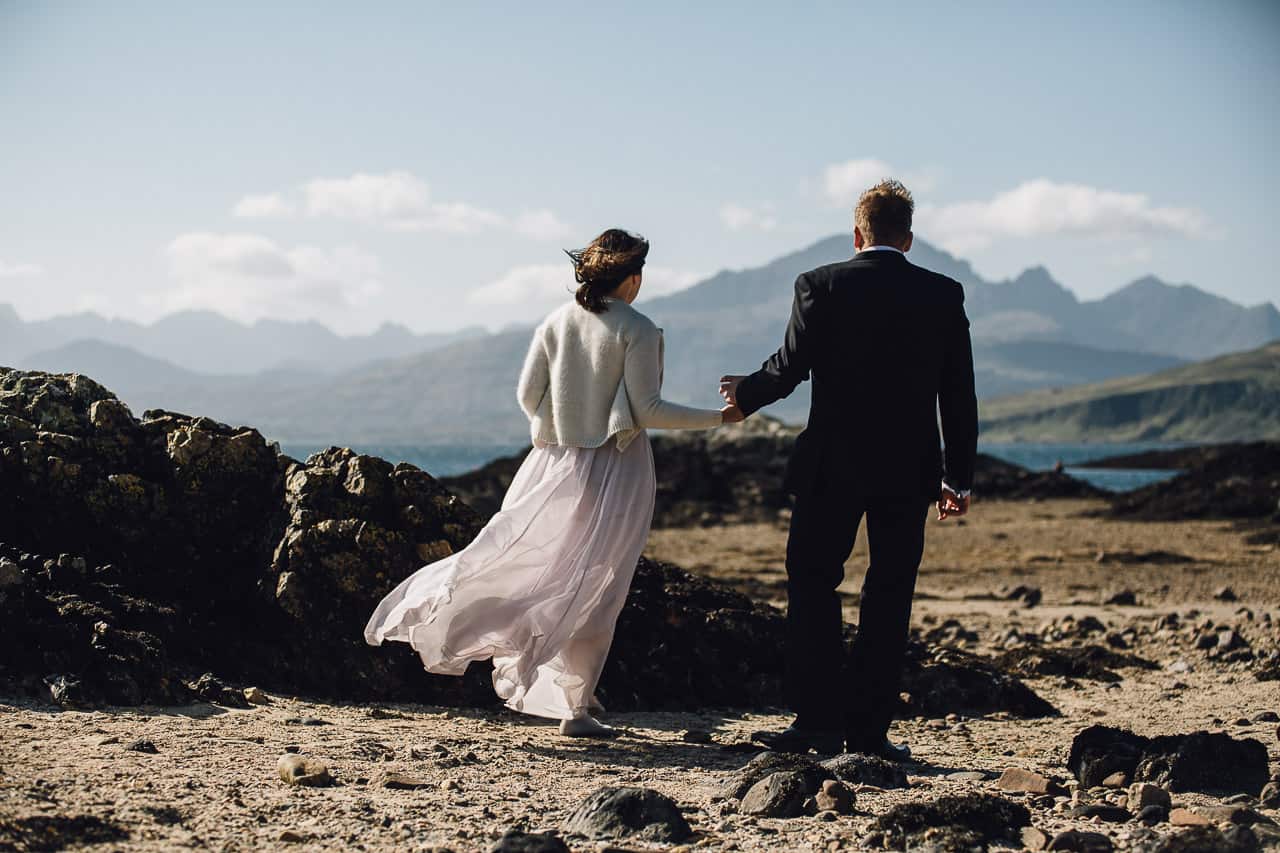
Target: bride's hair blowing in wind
[604,264]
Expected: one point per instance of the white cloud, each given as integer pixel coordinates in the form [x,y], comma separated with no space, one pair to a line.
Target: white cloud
[397,201]
[19,270]
[844,182]
[248,276]
[264,206]
[542,224]
[1042,207]
[455,218]
[390,197]
[737,217]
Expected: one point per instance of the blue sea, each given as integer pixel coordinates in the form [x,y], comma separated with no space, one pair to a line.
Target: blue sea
[447,460]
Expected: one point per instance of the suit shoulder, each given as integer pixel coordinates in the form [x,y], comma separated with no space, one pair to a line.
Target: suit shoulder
[941,283]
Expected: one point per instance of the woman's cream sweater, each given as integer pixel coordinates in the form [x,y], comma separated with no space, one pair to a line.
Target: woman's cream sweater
[589,377]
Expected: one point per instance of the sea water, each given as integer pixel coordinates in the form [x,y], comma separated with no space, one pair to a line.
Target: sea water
[450,459]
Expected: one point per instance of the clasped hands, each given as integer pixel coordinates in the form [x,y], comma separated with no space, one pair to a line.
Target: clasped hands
[731,414]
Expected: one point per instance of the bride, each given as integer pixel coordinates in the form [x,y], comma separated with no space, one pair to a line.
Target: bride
[540,588]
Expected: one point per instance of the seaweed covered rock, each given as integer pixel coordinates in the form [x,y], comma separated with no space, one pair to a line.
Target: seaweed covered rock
[973,820]
[1226,481]
[1093,662]
[1200,761]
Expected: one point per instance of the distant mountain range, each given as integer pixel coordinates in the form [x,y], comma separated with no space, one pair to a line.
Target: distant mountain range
[1230,398]
[207,342]
[301,382]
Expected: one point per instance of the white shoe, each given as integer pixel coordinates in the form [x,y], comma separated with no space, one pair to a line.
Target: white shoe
[587,726]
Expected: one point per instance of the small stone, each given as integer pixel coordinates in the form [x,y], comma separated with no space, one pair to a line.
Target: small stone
[967,776]
[1017,780]
[516,841]
[1143,794]
[835,796]
[1152,814]
[1185,817]
[309,772]
[1179,666]
[615,812]
[1102,811]
[1270,796]
[109,739]
[1124,598]
[256,696]
[697,736]
[1267,717]
[306,721]
[827,816]
[1081,842]
[291,836]
[402,782]
[143,746]
[10,573]
[1232,814]
[1116,780]
[1034,839]
[1225,593]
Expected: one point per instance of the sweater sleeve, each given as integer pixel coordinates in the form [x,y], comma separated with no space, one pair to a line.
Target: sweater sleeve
[642,373]
[535,377]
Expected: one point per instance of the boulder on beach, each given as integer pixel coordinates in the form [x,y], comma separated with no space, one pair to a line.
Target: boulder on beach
[1200,761]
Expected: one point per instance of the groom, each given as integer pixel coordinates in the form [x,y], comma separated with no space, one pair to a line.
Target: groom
[887,344]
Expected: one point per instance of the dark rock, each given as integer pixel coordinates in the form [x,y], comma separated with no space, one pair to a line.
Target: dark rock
[1194,762]
[636,814]
[1153,814]
[780,794]
[1102,811]
[859,769]
[945,839]
[58,832]
[1092,662]
[211,689]
[989,817]
[1030,596]
[1225,593]
[515,841]
[1204,839]
[1230,481]
[1081,842]
[145,746]
[767,763]
[402,782]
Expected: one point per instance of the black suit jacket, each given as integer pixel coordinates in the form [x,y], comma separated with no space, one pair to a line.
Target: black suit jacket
[887,344]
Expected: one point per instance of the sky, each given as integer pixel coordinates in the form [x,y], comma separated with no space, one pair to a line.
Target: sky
[425,163]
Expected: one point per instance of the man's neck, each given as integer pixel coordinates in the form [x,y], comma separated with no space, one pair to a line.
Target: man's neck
[880,249]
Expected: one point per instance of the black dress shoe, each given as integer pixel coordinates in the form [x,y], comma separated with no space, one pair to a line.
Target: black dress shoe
[792,739]
[884,749]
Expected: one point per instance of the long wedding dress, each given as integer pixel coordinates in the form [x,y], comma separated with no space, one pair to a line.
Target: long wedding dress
[541,587]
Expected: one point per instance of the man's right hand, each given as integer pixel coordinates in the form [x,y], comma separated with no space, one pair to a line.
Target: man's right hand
[950,503]
[729,389]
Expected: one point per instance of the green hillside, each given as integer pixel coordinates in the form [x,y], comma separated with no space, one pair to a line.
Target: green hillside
[1230,398]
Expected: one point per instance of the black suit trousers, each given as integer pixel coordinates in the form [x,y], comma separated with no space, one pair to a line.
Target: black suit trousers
[859,692]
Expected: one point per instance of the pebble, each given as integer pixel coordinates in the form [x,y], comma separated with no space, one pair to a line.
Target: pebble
[256,696]
[1270,796]
[291,836]
[1152,814]
[143,746]
[1082,842]
[835,796]
[697,736]
[402,782]
[1017,780]
[1034,839]
[780,794]
[309,772]
[1143,794]
[967,776]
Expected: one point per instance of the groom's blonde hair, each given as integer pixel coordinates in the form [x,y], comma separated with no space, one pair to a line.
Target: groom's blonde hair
[883,214]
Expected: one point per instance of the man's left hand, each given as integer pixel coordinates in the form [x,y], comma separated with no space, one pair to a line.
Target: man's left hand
[950,503]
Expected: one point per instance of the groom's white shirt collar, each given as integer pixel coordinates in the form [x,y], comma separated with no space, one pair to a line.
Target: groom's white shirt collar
[880,249]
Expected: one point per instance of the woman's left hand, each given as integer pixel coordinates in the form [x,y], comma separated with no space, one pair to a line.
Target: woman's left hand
[732,415]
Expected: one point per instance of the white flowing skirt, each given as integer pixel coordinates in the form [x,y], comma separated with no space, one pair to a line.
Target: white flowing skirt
[541,587]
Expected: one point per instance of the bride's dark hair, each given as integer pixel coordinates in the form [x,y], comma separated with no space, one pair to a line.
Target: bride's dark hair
[605,264]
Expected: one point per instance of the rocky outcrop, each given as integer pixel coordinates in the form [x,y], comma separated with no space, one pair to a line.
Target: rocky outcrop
[1200,761]
[1226,481]
[735,474]
[159,559]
